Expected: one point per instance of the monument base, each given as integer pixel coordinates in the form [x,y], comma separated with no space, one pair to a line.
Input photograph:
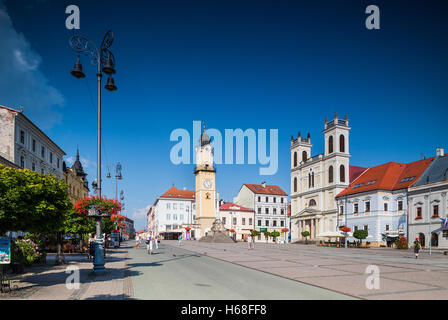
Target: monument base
[216,235]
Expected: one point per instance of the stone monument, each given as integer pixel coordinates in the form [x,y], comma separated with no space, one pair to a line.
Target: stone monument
[217,234]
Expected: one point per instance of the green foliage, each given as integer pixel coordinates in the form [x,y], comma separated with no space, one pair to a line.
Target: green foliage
[360,234]
[254,233]
[77,224]
[275,234]
[39,240]
[267,234]
[25,251]
[305,234]
[30,201]
[402,243]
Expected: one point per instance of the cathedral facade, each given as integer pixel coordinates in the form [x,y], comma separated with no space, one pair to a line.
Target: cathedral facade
[316,180]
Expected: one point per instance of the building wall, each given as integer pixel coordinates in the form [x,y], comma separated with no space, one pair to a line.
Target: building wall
[75,185]
[183,209]
[241,230]
[426,197]
[7,134]
[377,218]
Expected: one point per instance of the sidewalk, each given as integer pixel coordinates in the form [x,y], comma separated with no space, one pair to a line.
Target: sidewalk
[48,281]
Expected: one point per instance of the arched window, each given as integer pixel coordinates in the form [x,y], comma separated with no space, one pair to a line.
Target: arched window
[312,203]
[309,180]
[341,143]
[330,174]
[330,144]
[295,184]
[304,156]
[295,159]
[421,239]
[312,179]
[342,173]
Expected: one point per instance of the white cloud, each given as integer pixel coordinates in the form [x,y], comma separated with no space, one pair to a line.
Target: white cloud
[138,214]
[22,83]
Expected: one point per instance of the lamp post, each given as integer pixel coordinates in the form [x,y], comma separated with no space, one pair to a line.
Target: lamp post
[105,62]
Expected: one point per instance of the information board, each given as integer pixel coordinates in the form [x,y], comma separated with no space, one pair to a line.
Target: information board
[5,250]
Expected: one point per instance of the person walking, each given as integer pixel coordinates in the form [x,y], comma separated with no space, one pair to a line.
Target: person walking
[157,242]
[137,241]
[180,240]
[249,242]
[416,247]
[149,243]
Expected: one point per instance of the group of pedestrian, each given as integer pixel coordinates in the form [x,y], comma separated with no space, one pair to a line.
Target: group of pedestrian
[150,242]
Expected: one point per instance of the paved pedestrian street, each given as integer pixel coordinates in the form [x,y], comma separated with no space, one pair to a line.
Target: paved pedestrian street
[218,271]
[401,276]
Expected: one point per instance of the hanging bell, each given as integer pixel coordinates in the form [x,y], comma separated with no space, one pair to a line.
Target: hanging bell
[109,67]
[110,84]
[108,175]
[77,70]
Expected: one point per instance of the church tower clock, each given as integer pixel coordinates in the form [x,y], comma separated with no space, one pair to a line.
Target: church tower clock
[205,185]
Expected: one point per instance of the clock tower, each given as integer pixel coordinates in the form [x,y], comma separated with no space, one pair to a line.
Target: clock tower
[205,185]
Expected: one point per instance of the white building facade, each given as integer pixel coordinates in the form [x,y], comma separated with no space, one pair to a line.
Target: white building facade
[24,144]
[316,180]
[172,212]
[428,205]
[238,220]
[269,203]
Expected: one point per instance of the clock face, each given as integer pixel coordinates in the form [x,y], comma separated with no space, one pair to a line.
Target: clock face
[207,183]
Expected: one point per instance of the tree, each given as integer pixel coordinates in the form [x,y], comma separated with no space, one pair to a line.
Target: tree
[32,202]
[305,234]
[402,243]
[360,235]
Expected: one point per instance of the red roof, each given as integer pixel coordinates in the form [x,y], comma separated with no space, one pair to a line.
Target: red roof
[173,192]
[229,206]
[354,172]
[272,190]
[388,176]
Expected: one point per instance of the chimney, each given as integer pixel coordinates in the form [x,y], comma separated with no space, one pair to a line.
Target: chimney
[440,152]
[263,184]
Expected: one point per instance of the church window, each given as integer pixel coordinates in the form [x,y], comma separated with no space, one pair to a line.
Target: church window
[312,203]
[342,173]
[341,143]
[295,159]
[304,156]
[267,210]
[330,144]
[330,174]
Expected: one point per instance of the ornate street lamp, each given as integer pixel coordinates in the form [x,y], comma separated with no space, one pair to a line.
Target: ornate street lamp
[103,58]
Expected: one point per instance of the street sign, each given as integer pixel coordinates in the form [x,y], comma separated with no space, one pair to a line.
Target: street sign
[5,250]
[94,212]
[263,229]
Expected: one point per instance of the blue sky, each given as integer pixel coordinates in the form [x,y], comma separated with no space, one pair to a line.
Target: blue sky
[234,64]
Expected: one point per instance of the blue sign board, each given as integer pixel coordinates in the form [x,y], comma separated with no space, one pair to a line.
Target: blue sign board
[5,250]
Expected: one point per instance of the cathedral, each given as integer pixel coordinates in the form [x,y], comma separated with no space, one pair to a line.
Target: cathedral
[316,180]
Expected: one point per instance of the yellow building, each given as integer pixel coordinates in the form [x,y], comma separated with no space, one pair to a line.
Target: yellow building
[76,180]
[205,186]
